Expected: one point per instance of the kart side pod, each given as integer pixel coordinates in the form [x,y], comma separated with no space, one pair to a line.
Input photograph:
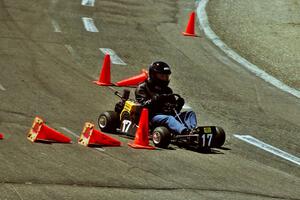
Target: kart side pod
[209,137]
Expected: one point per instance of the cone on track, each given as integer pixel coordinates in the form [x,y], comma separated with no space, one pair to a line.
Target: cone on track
[104,77]
[135,80]
[190,28]
[141,140]
[92,137]
[41,132]
[1,136]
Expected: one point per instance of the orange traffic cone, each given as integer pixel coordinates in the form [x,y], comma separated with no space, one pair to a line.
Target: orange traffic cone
[135,80]
[1,136]
[190,29]
[40,132]
[92,137]
[141,140]
[104,78]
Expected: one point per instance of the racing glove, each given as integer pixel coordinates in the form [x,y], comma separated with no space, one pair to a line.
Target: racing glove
[179,104]
[119,107]
[154,100]
[159,97]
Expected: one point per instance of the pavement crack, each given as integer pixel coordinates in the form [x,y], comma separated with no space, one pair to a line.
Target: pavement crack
[141,188]
[15,113]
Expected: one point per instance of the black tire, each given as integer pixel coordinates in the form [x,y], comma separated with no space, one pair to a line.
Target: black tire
[109,121]
[219,138]
[161,137]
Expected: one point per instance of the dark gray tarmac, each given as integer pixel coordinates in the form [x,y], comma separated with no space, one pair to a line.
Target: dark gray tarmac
[43,77]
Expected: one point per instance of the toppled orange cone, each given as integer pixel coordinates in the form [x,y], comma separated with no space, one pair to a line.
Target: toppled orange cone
[104,78]
[1,136]
[133,81]
[141,140]
[41,132]
[190,28]
[92,137]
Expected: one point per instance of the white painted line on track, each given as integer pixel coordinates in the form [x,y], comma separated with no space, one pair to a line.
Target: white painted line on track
[70,49]
[70,132]
[2,88]
[204,25]
[251,140]
[77,136]
[90,3]
[89,25]
[100,149]
[55,26]
[115,59]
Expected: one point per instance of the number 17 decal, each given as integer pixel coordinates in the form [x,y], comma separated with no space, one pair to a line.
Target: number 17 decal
[125,126]
[206,137]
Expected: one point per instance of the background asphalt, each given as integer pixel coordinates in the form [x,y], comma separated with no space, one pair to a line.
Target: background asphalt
[49,74]
[264,32]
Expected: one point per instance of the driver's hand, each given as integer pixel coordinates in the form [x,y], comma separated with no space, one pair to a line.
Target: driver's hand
[119,107]
[160,97]
[180,102]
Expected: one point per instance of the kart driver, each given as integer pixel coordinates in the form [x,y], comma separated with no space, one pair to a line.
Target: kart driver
[164,107]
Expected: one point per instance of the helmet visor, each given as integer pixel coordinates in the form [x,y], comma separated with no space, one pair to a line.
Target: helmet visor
[162,77]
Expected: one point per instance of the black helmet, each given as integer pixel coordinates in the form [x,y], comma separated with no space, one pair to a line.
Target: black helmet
[158,67]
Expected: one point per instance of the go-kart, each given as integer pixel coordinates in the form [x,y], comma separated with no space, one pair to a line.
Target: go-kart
[125,119]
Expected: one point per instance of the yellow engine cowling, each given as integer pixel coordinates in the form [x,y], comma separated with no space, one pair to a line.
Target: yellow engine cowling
[131,111]
[129,117]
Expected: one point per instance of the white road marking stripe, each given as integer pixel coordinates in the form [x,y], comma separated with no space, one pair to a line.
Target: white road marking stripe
[100,149]
[70,49]
[77,136]
[115,59]
[70,132]
[204,25]
[2,88]
[90,3]
[89,24]
[55,26]
[251,140]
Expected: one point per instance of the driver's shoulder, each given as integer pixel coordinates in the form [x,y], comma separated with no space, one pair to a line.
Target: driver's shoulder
[141,86]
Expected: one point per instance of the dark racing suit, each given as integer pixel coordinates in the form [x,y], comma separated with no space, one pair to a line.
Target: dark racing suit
[161,105]
[155,98]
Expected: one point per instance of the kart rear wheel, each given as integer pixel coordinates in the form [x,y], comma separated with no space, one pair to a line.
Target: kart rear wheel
[161,137]
[219,138]
[108,121]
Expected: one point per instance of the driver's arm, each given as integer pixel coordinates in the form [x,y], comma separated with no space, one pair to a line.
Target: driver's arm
[179,104]
[147,99]
[142,96]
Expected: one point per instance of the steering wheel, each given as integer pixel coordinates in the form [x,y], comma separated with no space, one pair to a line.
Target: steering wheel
[170,106]
[177,96]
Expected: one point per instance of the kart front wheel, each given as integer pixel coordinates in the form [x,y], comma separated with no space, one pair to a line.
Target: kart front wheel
[219,138]
[108,121]
[161,137]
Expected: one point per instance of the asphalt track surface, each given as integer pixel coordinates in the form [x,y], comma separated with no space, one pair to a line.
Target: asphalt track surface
[47,68]
[264,32]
